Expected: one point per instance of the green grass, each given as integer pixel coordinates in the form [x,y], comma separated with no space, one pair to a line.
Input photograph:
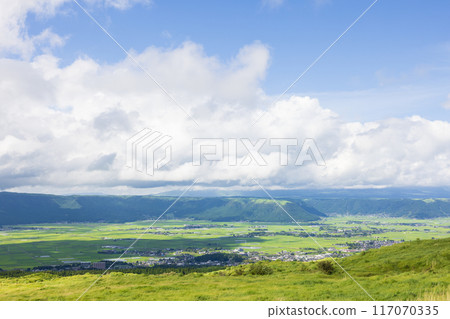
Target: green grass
[22,247]
[417,270]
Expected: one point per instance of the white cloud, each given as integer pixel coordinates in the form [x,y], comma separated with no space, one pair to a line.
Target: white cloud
[67,126]
[56,122]
[125,4]
[14,36]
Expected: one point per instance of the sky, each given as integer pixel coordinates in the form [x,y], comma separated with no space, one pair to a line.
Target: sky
[377,103]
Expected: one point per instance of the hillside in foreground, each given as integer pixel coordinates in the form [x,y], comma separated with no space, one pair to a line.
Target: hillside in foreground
[418,270]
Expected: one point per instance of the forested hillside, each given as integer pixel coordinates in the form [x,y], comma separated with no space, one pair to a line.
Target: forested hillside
[410,208]
[17,208]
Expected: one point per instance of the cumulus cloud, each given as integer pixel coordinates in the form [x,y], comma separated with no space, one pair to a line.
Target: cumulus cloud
[66,127]
[14,36]
[103,163]
[56,122]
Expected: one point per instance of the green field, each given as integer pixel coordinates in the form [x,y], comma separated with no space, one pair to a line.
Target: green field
[27,246]
[414,270]
[417,270]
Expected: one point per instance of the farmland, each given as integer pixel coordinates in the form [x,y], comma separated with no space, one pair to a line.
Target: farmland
[28,246]
[413,266]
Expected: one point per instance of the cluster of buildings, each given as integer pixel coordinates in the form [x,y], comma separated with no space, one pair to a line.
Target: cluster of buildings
[213,257]
[362,245]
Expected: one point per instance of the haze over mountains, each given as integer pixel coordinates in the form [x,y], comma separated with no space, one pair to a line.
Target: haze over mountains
[19,208]
[385,192]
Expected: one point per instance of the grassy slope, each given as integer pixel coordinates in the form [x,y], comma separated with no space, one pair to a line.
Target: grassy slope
[409,271]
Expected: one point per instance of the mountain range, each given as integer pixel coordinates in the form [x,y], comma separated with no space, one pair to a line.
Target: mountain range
[24,208]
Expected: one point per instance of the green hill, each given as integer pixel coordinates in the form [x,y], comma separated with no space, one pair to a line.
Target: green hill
[410,271]
[16,208]
[408,208]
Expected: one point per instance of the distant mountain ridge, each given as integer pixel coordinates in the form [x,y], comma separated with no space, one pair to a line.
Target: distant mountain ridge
[18,208]
[327,193]
[409,208]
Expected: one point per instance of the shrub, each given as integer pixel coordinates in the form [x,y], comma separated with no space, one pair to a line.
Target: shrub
[238,271]
[326,267]
[260,269]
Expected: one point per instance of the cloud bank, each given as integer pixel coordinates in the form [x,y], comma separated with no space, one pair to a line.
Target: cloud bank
[66,127]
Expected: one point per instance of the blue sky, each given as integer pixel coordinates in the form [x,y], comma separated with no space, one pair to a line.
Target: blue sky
[377,104]
[399,48]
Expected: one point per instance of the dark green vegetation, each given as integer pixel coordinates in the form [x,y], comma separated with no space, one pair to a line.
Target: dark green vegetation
[155,270]
[326,266]
[414,270]
[18,208]
[219,257]
[408,208]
